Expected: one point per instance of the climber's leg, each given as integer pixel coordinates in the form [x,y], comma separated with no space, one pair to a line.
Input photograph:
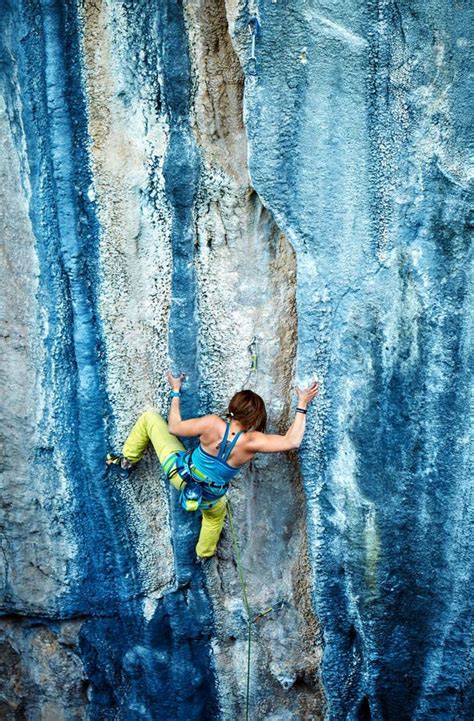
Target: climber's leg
[211,528]
[151,426]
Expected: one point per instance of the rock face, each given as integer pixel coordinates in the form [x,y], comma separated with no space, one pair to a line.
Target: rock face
[252,192]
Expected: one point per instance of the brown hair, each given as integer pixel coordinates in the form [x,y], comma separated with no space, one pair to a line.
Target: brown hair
[249,409]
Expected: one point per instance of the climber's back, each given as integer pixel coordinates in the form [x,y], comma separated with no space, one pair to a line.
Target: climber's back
[217,466]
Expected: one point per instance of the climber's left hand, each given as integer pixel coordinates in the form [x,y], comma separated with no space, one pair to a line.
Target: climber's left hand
[176,382]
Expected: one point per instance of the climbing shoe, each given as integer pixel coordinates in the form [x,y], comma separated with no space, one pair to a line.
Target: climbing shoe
[120,465]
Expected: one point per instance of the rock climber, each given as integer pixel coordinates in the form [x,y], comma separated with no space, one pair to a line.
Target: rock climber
[202,476]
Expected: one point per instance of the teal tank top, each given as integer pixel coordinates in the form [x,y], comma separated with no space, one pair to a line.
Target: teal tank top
[216,468]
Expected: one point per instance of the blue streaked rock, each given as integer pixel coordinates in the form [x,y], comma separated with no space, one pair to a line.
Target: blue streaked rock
[356,118]
[137,236]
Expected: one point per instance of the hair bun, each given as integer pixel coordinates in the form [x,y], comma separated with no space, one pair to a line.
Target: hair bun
[249,409]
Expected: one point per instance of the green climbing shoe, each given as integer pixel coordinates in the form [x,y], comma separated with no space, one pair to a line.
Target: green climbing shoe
[120,465]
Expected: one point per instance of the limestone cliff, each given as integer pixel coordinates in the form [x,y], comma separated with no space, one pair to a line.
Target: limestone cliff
[254,192]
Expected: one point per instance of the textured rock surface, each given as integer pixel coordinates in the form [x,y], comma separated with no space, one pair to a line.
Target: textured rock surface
[167,198]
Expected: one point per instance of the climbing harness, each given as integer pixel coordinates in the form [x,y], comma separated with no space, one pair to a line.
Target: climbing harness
[197,490]
[192,494]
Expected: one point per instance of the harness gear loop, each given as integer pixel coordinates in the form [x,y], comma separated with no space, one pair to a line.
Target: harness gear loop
[194,488]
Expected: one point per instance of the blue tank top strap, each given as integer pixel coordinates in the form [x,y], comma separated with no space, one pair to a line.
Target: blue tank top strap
[223,444]
[229,449]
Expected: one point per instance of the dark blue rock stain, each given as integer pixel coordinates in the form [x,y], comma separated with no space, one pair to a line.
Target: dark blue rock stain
[157,669]
[160,668]
[181,174]
[66,230]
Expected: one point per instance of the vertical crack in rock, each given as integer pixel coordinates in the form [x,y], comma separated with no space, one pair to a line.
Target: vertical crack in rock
[246,306]
[181,173]
[388,341]
[385,136]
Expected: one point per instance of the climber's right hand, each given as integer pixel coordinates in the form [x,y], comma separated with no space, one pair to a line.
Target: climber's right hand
[307,395]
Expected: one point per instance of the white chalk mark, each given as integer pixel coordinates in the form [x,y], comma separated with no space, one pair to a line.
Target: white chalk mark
[338,31]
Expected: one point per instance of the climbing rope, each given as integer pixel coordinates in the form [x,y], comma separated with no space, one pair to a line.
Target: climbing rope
[235,546]
[250,620]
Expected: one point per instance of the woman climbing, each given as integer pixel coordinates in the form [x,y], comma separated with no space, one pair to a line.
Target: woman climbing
[202,476]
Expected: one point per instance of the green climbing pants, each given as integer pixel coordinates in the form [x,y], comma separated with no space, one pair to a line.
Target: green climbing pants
[151,426]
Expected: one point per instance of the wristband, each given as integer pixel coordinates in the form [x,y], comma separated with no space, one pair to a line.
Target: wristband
[175,394]
[302,410]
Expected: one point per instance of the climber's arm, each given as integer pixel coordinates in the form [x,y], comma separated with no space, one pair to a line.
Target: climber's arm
[272,443]
[268,443]
[190,427]
[176,425]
